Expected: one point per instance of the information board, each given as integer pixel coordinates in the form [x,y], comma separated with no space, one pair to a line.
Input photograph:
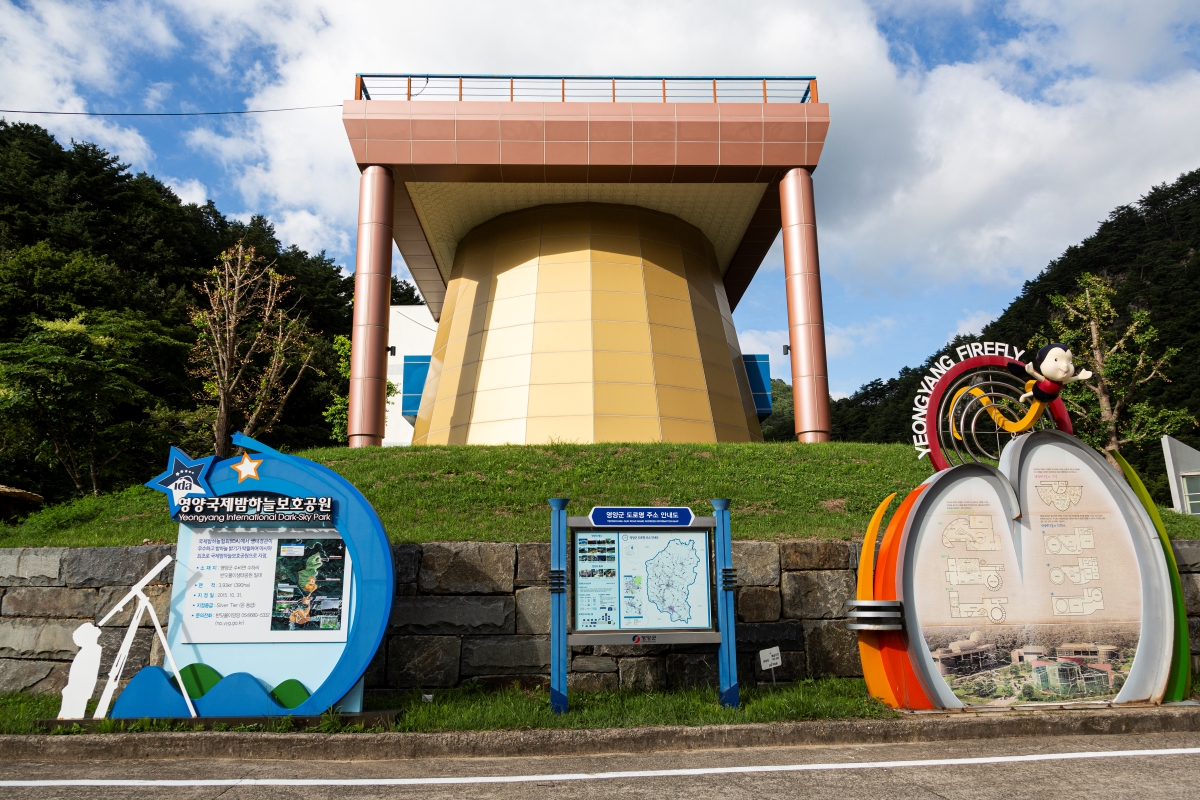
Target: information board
[266,585]
[642,580]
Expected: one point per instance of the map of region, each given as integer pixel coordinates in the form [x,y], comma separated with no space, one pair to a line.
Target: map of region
[669,577]
[309,585]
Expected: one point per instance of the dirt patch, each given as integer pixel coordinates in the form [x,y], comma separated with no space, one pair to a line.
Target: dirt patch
[835,506]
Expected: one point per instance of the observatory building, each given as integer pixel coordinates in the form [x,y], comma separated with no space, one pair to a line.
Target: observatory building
[582,243]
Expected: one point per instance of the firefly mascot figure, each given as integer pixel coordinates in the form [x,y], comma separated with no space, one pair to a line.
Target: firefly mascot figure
[1052,368]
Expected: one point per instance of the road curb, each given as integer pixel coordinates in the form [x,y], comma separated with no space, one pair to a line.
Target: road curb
[500,744]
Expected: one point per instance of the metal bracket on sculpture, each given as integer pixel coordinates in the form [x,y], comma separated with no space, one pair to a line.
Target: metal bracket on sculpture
[874,615]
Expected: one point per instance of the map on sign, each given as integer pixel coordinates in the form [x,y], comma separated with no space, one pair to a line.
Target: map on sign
[309,585]
[640,580]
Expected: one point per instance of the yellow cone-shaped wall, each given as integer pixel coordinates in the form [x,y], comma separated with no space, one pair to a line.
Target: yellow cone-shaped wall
[586,323]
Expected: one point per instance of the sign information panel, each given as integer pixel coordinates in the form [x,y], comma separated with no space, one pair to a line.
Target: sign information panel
[642,580]
[269,585]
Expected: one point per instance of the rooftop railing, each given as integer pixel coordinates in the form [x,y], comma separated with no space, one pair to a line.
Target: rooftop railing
[588,88]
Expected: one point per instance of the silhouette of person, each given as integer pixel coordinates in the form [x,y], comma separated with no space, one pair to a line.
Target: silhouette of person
[85,669]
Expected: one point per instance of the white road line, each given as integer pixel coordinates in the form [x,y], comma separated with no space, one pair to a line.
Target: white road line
[603,776]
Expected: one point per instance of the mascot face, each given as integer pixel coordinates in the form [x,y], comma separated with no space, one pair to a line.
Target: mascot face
[1058,365]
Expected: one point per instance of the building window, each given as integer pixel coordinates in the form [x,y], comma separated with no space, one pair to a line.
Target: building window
[1191,494]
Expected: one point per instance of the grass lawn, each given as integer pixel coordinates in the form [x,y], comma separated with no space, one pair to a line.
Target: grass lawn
[779,491]
[499,493]
[474,709]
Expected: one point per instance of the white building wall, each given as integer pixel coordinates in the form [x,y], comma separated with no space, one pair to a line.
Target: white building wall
[410,330]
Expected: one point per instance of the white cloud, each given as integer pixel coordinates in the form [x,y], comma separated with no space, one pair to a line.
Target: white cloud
[973,322]
[309,231]
[53,53]
[969,172]
[770,342]
[189,190]
[847,340]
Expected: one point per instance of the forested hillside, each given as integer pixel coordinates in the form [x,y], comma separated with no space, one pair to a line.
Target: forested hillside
[1149,252]
[83,239]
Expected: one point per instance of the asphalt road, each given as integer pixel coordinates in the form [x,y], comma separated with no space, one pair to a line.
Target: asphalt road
[1146,765]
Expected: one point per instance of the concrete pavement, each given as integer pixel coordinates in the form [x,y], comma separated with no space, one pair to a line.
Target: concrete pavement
[1160,765]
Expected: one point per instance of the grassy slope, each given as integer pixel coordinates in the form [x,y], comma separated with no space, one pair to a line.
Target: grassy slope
[475,709]
[499,493]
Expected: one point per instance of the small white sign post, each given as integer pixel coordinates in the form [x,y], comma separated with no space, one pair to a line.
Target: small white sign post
[770,659]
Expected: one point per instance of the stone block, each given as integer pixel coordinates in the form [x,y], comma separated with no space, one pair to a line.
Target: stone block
[141,653]
[533,610]
[467,567]
[533,563]
[406,562]
[816,594]
[453,615]
[48,601]
[160,602]
[98,567]
[745,668]
[692,671]
[157,656]
[758,604]
[757,563]
[831,649]
[505,655]
[592,682]
[793,668]
[31,566]
[1193,634]
[33,677]
[44,639]
[422,661]
[405,590]
[1187,554]
[623,650]
[1191,592]
[645,674]
[802,554]
[784,635]
[376,678]
[593,664]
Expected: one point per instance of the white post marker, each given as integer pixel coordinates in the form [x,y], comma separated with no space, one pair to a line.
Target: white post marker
[770,659]
[143,607]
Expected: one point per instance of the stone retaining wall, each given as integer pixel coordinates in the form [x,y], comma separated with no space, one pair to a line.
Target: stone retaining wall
[476,611]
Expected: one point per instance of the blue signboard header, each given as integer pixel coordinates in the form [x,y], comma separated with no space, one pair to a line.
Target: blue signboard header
[645,517]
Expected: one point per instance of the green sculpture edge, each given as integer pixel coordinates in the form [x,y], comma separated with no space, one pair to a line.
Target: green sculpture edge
[198,679]
[1179,681]
[290,693]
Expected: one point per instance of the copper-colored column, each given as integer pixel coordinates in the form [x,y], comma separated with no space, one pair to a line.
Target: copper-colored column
[372,302]
[806,319]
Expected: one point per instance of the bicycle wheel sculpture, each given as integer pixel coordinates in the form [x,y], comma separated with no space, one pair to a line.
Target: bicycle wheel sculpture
[977,410]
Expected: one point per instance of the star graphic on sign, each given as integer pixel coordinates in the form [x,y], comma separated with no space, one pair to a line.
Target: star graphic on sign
[246,468]
[183,478]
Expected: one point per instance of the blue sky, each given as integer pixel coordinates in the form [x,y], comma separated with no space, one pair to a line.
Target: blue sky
[971,142]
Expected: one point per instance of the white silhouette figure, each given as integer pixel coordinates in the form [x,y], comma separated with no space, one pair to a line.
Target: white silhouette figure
[85,670]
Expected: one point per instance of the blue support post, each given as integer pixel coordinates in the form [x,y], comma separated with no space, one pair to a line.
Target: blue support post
[558,605]
[726,581]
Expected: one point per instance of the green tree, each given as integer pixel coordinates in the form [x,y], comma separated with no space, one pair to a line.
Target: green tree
[79,386]
[405,294]
[1110,409]
[252,349]
[781,425]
